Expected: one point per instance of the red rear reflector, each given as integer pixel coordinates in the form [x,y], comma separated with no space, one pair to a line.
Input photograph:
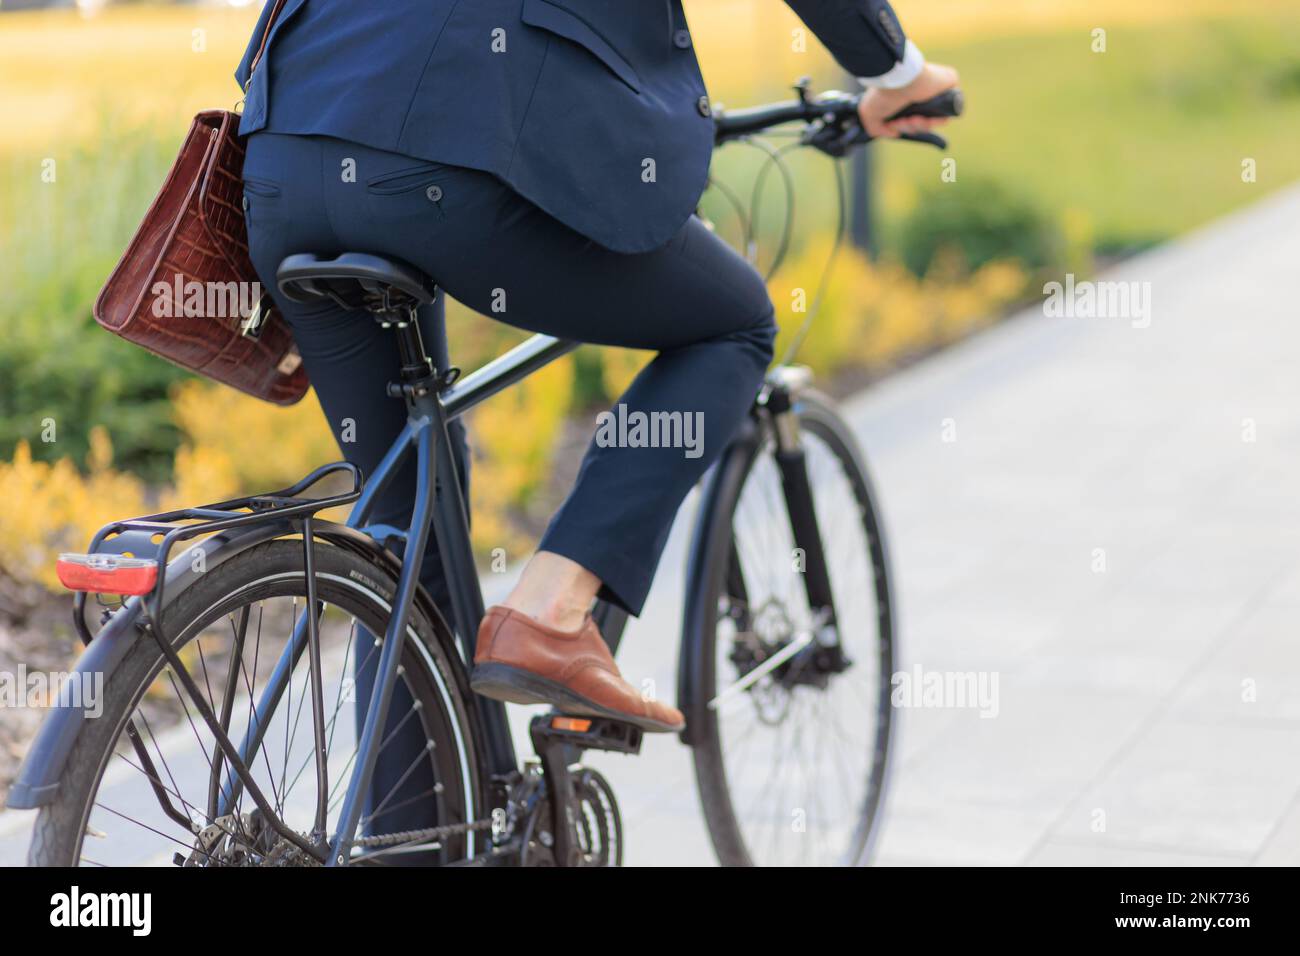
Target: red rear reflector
[571,723]
[107,573]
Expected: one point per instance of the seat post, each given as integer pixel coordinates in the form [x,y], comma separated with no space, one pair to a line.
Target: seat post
[390,290]
[419,381]
[410,343]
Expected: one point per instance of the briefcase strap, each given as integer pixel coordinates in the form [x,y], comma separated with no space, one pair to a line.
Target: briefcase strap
[266,35]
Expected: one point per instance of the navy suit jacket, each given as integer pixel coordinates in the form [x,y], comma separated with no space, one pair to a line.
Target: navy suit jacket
[592,109]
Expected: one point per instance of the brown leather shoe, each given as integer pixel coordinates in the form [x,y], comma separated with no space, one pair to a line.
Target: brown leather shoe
[521,660]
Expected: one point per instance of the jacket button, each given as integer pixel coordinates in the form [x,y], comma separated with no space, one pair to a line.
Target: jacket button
[434,193]
[702,104]
[682,39]
[891,27]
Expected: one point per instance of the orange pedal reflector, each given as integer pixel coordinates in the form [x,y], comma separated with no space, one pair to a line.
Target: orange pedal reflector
[578,724]
[106,573]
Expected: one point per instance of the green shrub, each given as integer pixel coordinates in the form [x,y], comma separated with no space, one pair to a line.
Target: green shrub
[982,222]
[69,371]
[59,240]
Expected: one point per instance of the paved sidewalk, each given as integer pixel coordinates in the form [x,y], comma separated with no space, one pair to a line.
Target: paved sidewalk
[1122,735]
[1149,708]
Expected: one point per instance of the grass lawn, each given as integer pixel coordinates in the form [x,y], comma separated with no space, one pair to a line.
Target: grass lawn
[1133,145]
[1147,139]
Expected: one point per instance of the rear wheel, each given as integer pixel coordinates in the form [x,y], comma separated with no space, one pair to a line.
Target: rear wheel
[229,630]
[791,765]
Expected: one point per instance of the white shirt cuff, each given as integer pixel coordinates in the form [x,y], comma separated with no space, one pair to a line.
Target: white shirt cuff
[903,72]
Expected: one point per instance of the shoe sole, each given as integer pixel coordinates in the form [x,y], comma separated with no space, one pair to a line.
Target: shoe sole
[515,686]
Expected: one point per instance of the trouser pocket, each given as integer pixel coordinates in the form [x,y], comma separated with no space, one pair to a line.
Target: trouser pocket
[258,193]
[419,188]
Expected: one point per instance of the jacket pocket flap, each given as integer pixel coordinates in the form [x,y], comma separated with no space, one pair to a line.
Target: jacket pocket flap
[565,23]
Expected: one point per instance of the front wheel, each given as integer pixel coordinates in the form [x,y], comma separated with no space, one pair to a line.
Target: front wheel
[790,759]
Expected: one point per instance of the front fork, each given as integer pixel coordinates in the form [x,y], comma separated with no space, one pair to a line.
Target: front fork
[778,400]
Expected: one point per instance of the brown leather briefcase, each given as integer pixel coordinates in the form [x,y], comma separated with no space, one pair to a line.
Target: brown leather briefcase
[185,288]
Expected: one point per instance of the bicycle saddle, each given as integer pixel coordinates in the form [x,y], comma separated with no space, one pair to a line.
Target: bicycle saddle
[354,280]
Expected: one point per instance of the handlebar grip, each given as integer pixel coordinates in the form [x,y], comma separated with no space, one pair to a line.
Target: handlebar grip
[948,103]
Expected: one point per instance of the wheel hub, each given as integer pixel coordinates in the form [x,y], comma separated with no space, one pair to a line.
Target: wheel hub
[243,840]
[771,630]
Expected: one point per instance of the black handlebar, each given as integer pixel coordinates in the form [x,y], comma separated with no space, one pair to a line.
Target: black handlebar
[946,104]
[737,123]
[832,117]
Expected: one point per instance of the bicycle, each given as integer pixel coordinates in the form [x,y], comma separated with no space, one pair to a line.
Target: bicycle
[769,649]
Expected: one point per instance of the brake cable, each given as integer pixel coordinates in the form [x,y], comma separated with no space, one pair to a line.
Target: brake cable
[802,332]
[775,157]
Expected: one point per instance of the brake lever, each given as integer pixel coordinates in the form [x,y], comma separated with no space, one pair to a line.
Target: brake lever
[934,139]
[837,142]
[833,140]
[837,136]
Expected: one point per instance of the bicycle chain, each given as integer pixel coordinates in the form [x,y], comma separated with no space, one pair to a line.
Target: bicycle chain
[420,836]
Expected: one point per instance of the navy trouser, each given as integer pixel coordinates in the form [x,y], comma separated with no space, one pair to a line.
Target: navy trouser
[694,301]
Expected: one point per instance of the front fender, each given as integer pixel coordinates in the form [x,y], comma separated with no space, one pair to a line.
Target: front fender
[704,571]
[42,768]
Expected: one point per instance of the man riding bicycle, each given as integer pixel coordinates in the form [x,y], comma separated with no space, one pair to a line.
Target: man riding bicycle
[541,159]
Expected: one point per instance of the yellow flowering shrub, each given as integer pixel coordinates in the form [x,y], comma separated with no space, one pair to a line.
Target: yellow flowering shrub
[874,313]
[619,366]
[48,508]
[264,447]
[511,439]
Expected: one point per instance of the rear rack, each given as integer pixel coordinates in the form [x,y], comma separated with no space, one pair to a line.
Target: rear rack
[153,537]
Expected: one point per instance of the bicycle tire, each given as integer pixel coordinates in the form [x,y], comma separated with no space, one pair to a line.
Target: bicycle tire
[714,531]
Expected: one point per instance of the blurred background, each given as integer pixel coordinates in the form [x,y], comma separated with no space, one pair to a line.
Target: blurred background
[1070,160]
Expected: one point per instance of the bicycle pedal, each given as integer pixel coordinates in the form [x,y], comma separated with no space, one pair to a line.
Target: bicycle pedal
[588,733]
